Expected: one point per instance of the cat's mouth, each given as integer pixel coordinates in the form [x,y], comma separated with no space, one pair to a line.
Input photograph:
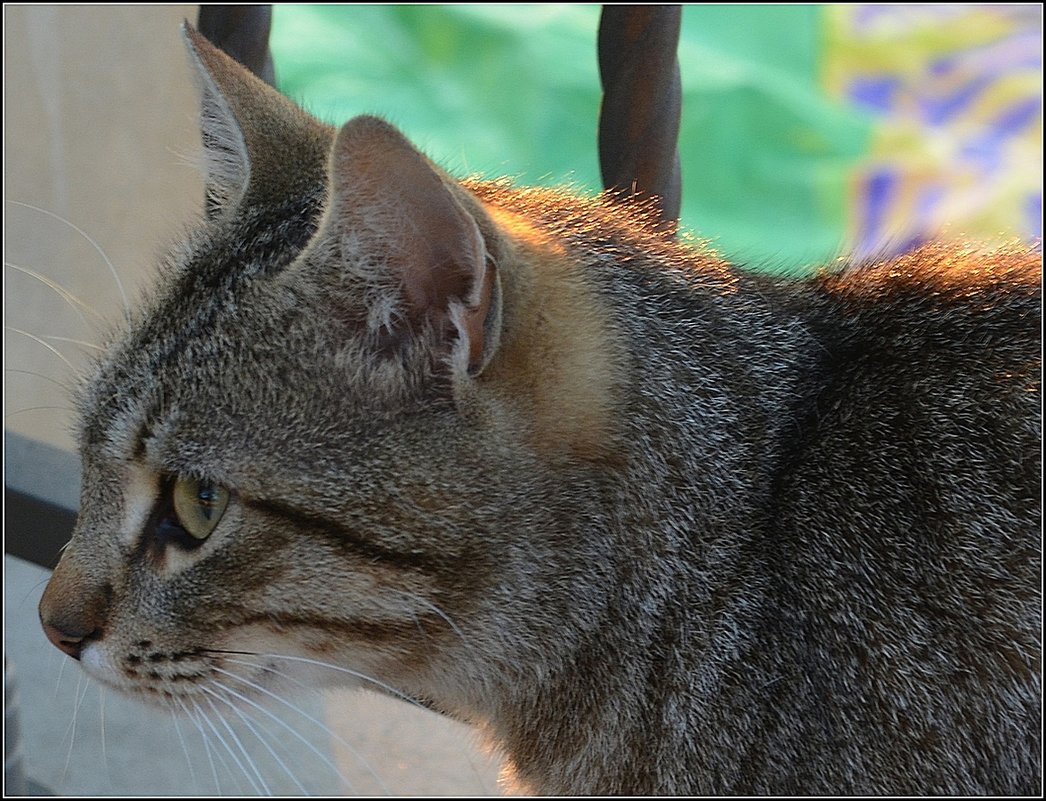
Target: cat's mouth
[184,678]
[172,678]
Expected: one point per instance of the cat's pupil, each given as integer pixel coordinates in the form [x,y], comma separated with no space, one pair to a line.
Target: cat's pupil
[207,496]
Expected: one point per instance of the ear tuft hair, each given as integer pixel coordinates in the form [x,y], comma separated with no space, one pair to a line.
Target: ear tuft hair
[256,142]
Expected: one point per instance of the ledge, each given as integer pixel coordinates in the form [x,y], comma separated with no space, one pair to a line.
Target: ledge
[41,496]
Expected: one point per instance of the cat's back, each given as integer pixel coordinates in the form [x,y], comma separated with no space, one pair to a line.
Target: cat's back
[939,300]
[906,523]
[931,361]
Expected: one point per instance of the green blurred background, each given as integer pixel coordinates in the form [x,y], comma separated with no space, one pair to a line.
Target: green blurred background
[776,155]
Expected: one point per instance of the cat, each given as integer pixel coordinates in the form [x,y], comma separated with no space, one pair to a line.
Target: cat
[653,523]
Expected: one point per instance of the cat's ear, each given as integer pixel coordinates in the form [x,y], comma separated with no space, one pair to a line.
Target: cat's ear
[258,146]
[415,237]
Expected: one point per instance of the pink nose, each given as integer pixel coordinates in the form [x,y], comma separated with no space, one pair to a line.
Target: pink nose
[70,642]
[73,610]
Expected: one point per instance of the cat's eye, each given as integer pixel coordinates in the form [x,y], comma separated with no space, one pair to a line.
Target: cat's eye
[199,505]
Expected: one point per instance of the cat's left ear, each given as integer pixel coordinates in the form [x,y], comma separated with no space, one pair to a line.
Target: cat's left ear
[413,236]
[259,147]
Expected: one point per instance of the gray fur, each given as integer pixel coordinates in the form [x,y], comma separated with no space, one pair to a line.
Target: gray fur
[801,558]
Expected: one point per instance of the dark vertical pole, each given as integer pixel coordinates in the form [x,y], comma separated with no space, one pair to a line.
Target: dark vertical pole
[243,33]
[642,96]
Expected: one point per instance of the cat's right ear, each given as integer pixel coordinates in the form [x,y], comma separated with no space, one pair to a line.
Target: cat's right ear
[259,147]
[417,249]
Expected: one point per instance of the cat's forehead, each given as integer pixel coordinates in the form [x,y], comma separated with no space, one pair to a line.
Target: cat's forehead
[201,379]
[204,284]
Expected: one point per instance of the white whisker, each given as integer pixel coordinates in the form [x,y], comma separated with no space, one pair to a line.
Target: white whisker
[340,669]
[398,694]
[58,679]
[101,727]
[290,729]
[235,737]
[109,264]
[54,381]
[322,726]
[283,675]
[257,733]
[259,786]
[30,593]
[205,718]
[206,743]
[81,690]
[185,748]
[47,345]
[9,415]
[453,626]
[72,300]
[82,343]
[464,641]
[417,623]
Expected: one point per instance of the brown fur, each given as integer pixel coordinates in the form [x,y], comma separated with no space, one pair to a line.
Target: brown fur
[560,363]
[654,523]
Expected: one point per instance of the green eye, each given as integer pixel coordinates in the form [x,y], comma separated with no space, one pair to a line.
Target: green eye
[199,506]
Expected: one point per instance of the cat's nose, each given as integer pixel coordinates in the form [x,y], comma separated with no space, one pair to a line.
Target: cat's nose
[73,610]
[69,640]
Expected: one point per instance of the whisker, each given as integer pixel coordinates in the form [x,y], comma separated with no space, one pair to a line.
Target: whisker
[206,742]
[9,415]
[228,749]
[31,591]
[54,381]
[47,345]
[464,641]
[101,726]
[109,264]
[101,736]
[392,690]
[82,343]
[453,626]
[72,300]
[236,740]
[338,668]
[262,730]
[290,729]
[82,686]
[185,749]
[417,623]
[257,734]
[322,726]
[58,679]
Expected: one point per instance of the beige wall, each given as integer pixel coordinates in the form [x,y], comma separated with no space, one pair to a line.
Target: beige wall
[100,115]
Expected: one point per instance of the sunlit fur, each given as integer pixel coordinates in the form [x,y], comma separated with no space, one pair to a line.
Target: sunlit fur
[656,524]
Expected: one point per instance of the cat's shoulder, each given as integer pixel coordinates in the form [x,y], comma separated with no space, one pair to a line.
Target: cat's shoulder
[941,298]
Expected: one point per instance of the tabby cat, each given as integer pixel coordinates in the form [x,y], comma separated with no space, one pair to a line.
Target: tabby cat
[654,523]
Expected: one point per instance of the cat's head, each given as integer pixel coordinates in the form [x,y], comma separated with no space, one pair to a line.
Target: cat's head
[338,432]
